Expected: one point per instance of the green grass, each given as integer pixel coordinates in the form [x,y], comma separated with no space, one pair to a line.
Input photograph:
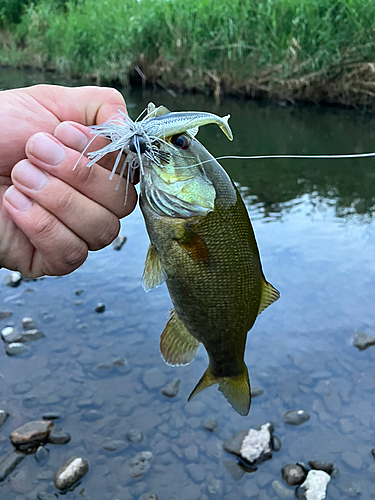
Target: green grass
[266,45]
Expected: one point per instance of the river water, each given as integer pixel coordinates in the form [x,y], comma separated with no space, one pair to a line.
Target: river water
[314,225]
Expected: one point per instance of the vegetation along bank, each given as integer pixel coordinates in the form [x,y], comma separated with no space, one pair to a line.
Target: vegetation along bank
[314,50]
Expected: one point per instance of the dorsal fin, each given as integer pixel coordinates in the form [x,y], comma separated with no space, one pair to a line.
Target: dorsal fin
[269,295]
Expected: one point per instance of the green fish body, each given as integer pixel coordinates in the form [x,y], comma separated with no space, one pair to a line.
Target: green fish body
[203,246]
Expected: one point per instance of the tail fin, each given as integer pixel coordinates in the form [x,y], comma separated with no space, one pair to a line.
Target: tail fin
[235,389]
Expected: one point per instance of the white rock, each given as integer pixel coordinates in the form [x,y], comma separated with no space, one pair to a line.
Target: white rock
[10,334]
[70,472]
[256,445]
[28,323]
[315,485]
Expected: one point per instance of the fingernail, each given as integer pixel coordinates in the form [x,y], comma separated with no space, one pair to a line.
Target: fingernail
[71,136]
[46,149]
[31,177]
[17,199]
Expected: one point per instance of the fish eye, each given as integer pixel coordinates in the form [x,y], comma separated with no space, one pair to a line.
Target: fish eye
[181,141]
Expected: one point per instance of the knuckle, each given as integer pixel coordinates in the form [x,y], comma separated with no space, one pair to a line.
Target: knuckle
[106,234]
[63,203]
[74,255]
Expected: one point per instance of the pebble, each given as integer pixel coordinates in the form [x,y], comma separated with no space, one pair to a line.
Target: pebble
[10,334]
[350,489]
[233,445]
[211,425]
[13,279]
[3,417]
[362,341]
[91,416]
[215,488]
[314,487]
[275,443]
[171,390]
[100,307]
[154,378]
[120,362]
[5,314]
[119,242]
[31,434]
[59,437]
[79,291]
[281,491]
[134,436]
[256,392]
[29,323]
[150,495]
[51,415]
[115,445]
[293,474]
[234,469]
[256,445]
[191,452]
[41,454]
[16,348]
[352,458]
[9,463]
[71,471]
[296,417]
[32,335]
[22,388]
[140,464]
[372,451]
[319,465]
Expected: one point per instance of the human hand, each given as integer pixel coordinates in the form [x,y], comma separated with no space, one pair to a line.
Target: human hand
[52,215]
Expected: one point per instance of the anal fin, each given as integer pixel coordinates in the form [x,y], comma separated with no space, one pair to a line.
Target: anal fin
[177,345]
[269,296]
[153,274]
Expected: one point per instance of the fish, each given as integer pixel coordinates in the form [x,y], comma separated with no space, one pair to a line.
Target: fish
[202,245]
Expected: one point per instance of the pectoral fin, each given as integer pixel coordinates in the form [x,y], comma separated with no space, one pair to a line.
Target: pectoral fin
[153,274]
[177,345]
[235,389]
[269,295]
[194,246]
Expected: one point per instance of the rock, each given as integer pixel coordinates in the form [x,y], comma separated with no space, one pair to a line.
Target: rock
[91,415]
[13,279]
[115,445]
[211,425]
[150,495]
[140,464]
[296,417]
[3,417]
[51,415]
[5,314]
[293,474]
[71,471]
[119,242]
[256,392]
[314,487]
[134,436]
[22,388]
[32,335]
[59,437]
[119,362]
[215,488]
[9,463]
[100,308]
[46,496]
[362,341]
[171,389]
[233,445]
[31,434]
[29,323]
[79,291]
[352,458]
[234,469]
[281,491]
[154,378]
[10,334]
[41,454]
[319,465]
[256,445]
[197,472]
[191,452]
[350,489]
[275,443]
[16,348]
[372,451]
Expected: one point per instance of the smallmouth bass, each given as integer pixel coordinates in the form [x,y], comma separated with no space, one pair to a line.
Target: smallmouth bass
[201,244]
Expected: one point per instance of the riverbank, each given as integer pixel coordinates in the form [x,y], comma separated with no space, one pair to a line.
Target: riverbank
[286,50]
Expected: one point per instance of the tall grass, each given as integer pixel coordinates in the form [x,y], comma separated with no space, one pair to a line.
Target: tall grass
[195,43]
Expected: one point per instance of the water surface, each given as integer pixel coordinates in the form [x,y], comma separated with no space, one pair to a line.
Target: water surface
[314,225]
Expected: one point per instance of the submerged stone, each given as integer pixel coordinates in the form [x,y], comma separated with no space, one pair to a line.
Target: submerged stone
[233,445]
[41,454]
[362,341]
[296,417]
[211,425]
[119,242]
[16,348]
[281,491]
[171,390]
[256,445]
[59,437]
[100,308]
[10,334]
[31,434]
[32,335]
[29,323]
[9,463]
[150,495]
[140,464]
[293,474]
[3,417]
[115,445]
[319,465]
[70,472]
[5,314]
[13,279]
[234,469]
